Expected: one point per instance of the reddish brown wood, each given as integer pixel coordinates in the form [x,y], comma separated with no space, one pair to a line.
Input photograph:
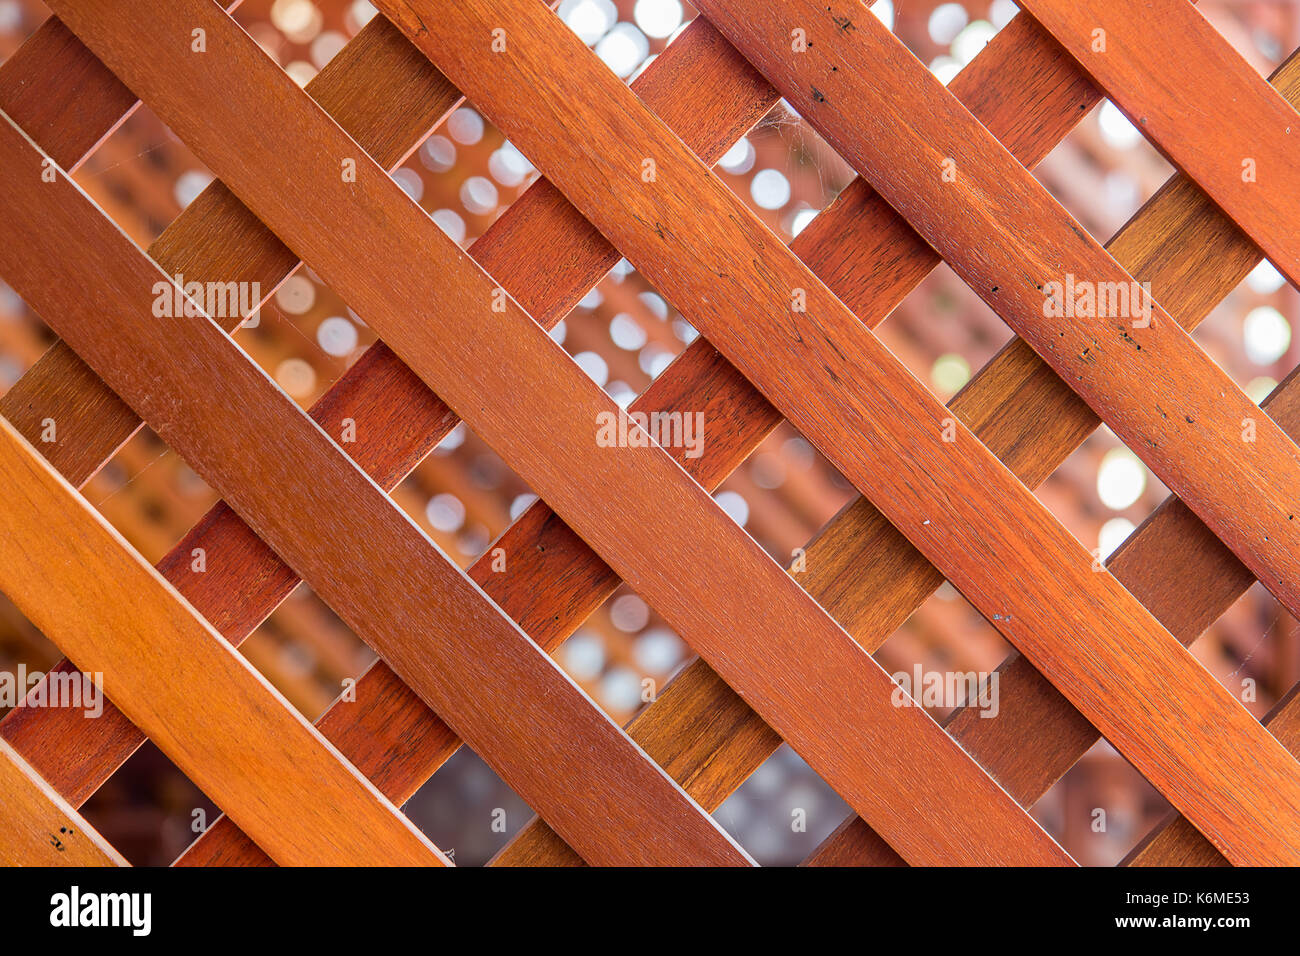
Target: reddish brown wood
[822,674]
[40,827]
[869,577]
[1007,237]
[1199,102]
[709,756]
[384,577]
[220,721]
[398,419]
[954,500]
[699,58]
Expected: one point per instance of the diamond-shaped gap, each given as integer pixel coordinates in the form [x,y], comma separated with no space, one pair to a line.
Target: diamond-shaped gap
[949,648]
[1249,333]
[1101,492]
[1103,171]
[304,336]
[19,19]
[463,495]
[24,337]
[306,651]
[467,810]
[149,810]
[149,494]
[1101,808]
[1253,650]
[142,176]
[783,811]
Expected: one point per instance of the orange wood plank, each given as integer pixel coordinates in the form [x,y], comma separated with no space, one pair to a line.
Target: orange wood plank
[215,238]
[870,579]
[1176,842]
[1007,238]
[373,565]
[38,827]
[989,92]
[1032,111]
[1199,102]
[218,720]
[398,420]
[696,577]
[844,390]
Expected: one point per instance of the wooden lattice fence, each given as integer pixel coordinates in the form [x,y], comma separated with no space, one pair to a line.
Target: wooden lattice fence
[786,334]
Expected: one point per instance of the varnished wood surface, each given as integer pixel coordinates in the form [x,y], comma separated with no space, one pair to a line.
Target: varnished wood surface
[845,392]
[38,827]
[1199,102]
[215,717]
[1043,79]
[350,542]
[688,575]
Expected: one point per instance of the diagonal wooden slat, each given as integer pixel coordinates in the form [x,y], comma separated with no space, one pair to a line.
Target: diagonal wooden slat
[1213,116]
[218,720]
[1005,235]
[640,534]
[1003,99]
[699,58]
[294,486]
[1193,256]
[38,827]
[1176,842]
[957,503]
[215,238]
[398,419]
[988,87]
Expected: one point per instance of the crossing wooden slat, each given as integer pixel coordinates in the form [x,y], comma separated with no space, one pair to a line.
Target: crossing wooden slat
[218,720]
[1031,112]
[293,485]
[1175,842]
[214,238]
[823,675]
[702,248]
[699,730]
[1006,412]
[867,575]
[1006,236]
[398,420]
[1213,115]
[38,827]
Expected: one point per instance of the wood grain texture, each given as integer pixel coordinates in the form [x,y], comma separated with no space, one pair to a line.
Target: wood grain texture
[1212,115]
[38,827]
[1028,51]
[398,741]
[867,575]
[1005,235]
[844,390]
[664,535]
[215,717]
[1176,842]
[400,749]
[359,552]
[215,238]
[868,268]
